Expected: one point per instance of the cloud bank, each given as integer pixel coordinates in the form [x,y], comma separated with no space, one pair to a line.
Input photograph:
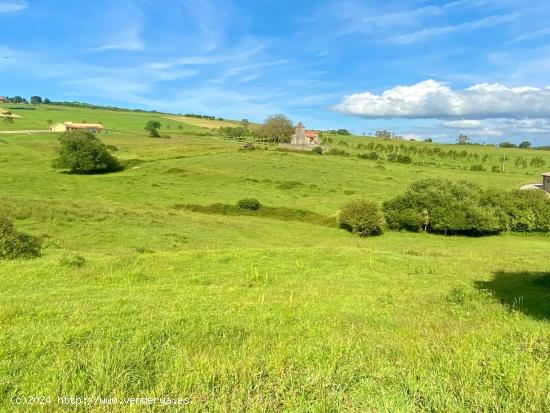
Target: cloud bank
[435,100]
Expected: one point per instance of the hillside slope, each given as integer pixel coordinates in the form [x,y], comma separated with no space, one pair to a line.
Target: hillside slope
[136,297]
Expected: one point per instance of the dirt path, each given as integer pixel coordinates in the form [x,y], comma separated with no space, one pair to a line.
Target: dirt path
[27,131]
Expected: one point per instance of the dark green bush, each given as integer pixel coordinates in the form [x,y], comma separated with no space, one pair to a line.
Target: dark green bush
[373,156]
[14,244]
[317,150]
[338,152]
[251,204]
[83,152]
[444,206]
[477,168]
[523,211]
[394,157]
[362,217]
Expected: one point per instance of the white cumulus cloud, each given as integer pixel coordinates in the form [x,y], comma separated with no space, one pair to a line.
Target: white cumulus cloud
[433,99]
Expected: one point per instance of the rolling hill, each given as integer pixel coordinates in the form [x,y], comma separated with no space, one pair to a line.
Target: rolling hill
[134,296]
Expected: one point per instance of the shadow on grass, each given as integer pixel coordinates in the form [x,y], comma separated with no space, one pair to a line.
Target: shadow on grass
[122,166]
[528,292]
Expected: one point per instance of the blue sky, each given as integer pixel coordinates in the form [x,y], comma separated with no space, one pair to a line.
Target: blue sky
[419,68]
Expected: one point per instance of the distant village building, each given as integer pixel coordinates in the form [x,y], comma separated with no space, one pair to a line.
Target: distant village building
[70,126]
[304,137]
[2,99]
[546,182]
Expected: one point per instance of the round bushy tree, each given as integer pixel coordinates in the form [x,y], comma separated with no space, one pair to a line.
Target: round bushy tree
[15,244]
[250,204]
[362,217]
[276,128]
[152,127]
[83,152]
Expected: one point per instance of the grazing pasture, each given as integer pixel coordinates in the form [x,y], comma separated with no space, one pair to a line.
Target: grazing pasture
[143,289]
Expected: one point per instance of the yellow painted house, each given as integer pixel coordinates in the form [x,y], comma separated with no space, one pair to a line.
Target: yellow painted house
[70,126]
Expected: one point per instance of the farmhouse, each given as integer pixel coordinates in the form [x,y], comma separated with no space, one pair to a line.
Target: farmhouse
[546,182]
[304,137]
[70,126]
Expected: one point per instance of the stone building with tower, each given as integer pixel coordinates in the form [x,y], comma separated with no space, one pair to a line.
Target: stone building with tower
[303,137]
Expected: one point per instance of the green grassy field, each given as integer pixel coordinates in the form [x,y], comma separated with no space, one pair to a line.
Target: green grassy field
[134,297]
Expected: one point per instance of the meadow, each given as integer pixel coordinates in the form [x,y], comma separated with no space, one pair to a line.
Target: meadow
[135,296]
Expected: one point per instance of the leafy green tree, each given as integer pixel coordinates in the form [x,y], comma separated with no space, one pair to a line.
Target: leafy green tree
[276,128]
[244,123]
[83,152]
[507,145]
[36,100]
[463,139]
[362,217]
[524,145]
[152,127]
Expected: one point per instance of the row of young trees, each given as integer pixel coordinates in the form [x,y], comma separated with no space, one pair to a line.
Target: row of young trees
[378,150]
[35,100]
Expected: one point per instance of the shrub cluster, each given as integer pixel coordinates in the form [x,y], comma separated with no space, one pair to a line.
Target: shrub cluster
[251,204]
[338,152]
[83,152]
[521,210]
[394,157]
[234,132]
[362,217]
[444,206]
[14,244]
